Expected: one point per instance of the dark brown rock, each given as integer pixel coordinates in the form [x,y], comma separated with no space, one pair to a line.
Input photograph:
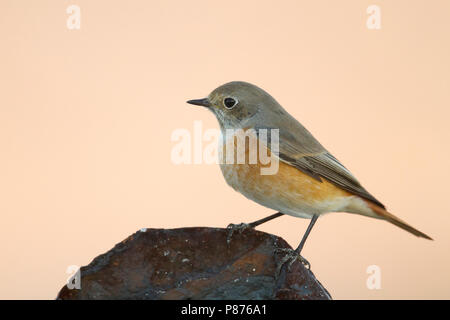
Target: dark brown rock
[195,263]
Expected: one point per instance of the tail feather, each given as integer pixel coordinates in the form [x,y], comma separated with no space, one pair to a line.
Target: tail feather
[396,221]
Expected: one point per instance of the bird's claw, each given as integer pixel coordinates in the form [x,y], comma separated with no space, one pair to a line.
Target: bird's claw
[290,256]
[232,228]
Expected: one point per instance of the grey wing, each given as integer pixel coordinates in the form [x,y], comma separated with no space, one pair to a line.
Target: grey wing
[300,149]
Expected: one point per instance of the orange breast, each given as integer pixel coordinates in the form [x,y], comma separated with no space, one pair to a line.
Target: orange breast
[288,187]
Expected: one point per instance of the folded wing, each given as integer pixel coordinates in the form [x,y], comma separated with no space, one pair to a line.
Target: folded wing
[300,149]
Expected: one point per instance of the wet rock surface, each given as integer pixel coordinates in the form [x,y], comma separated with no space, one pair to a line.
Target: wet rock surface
[195,263]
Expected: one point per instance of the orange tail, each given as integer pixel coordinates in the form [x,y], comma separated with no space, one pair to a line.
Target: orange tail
[394,220]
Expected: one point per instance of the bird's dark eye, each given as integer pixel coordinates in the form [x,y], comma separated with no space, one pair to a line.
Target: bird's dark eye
[229,103]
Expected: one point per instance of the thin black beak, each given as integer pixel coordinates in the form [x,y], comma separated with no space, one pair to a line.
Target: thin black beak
[200,102]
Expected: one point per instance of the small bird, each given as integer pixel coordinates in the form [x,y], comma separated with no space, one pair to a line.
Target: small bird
[309,182]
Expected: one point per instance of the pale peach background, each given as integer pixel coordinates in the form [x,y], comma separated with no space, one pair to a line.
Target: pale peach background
[86,118]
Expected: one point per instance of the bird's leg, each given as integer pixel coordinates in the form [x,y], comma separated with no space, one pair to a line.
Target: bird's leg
[293,255]
[243,226]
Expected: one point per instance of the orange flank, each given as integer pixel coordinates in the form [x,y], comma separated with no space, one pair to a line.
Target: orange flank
[288,187]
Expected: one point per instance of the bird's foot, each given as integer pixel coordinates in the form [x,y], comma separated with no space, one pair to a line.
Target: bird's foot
[232,228]
[290,256]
